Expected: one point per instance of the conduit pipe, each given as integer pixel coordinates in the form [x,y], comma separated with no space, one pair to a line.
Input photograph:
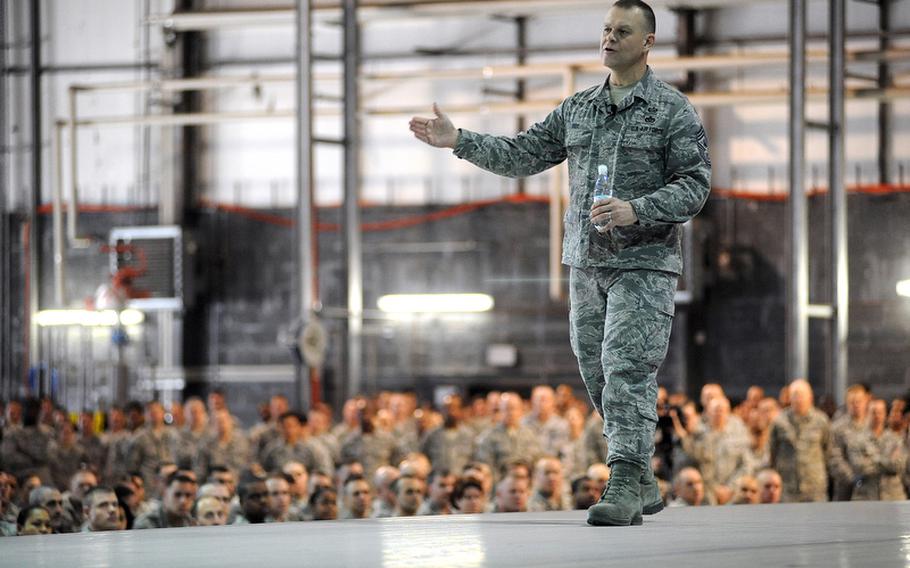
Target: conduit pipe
[390,10]
[689,63]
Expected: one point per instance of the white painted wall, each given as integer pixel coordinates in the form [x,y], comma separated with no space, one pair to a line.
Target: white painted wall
[253,163]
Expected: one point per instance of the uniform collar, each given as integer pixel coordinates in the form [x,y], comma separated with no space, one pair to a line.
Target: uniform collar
[641,90]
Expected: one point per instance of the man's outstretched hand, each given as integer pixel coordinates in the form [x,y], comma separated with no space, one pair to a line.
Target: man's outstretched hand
[437,131]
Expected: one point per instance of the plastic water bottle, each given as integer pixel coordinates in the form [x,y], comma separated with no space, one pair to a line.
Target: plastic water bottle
[602,190]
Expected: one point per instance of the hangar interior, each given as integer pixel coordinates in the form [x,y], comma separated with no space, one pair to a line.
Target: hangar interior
[219,193]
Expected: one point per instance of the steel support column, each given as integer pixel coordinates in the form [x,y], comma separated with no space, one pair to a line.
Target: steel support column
[6,359]
[838,201]
[521,86]
[884,107]
[306,242]
[352,236]
[798,288]
[34,259]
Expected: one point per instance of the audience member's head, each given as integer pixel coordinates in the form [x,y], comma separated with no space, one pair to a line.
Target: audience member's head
[179,495]
[324,504]
[878,414]
[599,473]
[101,509]
[689,486]
[801,400]
[548,477]
[81,482]
[512,495]
[468,496]
[279,487]
[298,472]
[483,473]
[210,511]
[584,492]
[510,409]
[745,491]
[223,476]
[409,493]
[383,479]
[215,491]
[254,499]
[33,519]
[357,496]
[50,499]
[770,486]
[543,402]
[441,485]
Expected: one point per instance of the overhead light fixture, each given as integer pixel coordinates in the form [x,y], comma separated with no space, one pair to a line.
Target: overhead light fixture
[903,288]
[435,303]
[89,318]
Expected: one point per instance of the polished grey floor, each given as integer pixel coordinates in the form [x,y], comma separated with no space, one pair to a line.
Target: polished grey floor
[830,534]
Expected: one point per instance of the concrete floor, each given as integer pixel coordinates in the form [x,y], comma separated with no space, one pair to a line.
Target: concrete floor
[830,534]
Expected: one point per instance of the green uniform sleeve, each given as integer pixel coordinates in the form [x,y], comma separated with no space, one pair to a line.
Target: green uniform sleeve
[688,171]
[539,148]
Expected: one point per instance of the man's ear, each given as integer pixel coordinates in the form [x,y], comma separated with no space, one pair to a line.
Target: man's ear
[649,41]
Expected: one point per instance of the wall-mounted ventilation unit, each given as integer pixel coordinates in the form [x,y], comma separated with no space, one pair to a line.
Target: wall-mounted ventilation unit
[148,261]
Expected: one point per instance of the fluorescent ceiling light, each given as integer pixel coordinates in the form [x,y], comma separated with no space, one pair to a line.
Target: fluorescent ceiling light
[89,318]
[903,288]
[435,303]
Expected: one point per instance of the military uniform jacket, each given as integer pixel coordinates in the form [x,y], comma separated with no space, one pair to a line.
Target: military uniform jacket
[886,483]
[800,447]
[655,148]
[854,456]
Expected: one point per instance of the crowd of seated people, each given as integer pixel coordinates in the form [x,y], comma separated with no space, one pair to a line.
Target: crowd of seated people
[193,464]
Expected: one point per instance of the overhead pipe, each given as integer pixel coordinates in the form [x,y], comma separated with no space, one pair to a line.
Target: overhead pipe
[386,11]
[693,63]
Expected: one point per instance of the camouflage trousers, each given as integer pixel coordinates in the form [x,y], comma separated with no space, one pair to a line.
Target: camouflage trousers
[620,323]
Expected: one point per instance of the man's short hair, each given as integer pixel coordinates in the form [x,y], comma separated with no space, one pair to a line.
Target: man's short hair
[397,483]
[179,477]
[355,477]
[281,475]
[319,493]
[87,500]
[293,413]
[650,20]
[442,472]
[463,485]
[576,483]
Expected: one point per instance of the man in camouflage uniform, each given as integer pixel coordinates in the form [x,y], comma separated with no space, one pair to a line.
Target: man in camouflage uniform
[721,452]
[623,276]
[294,445]
[552,430]
[800,447]
[153,444]
[548,492]
[885,483]
[191,438]
[853,454]
[508,441]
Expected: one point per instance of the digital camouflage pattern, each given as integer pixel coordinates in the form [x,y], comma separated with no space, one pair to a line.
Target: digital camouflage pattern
[657,153]
[721,455]
[800,447]
[656,149]
[499,446]
[620,324]
[854,455]
[552,434]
